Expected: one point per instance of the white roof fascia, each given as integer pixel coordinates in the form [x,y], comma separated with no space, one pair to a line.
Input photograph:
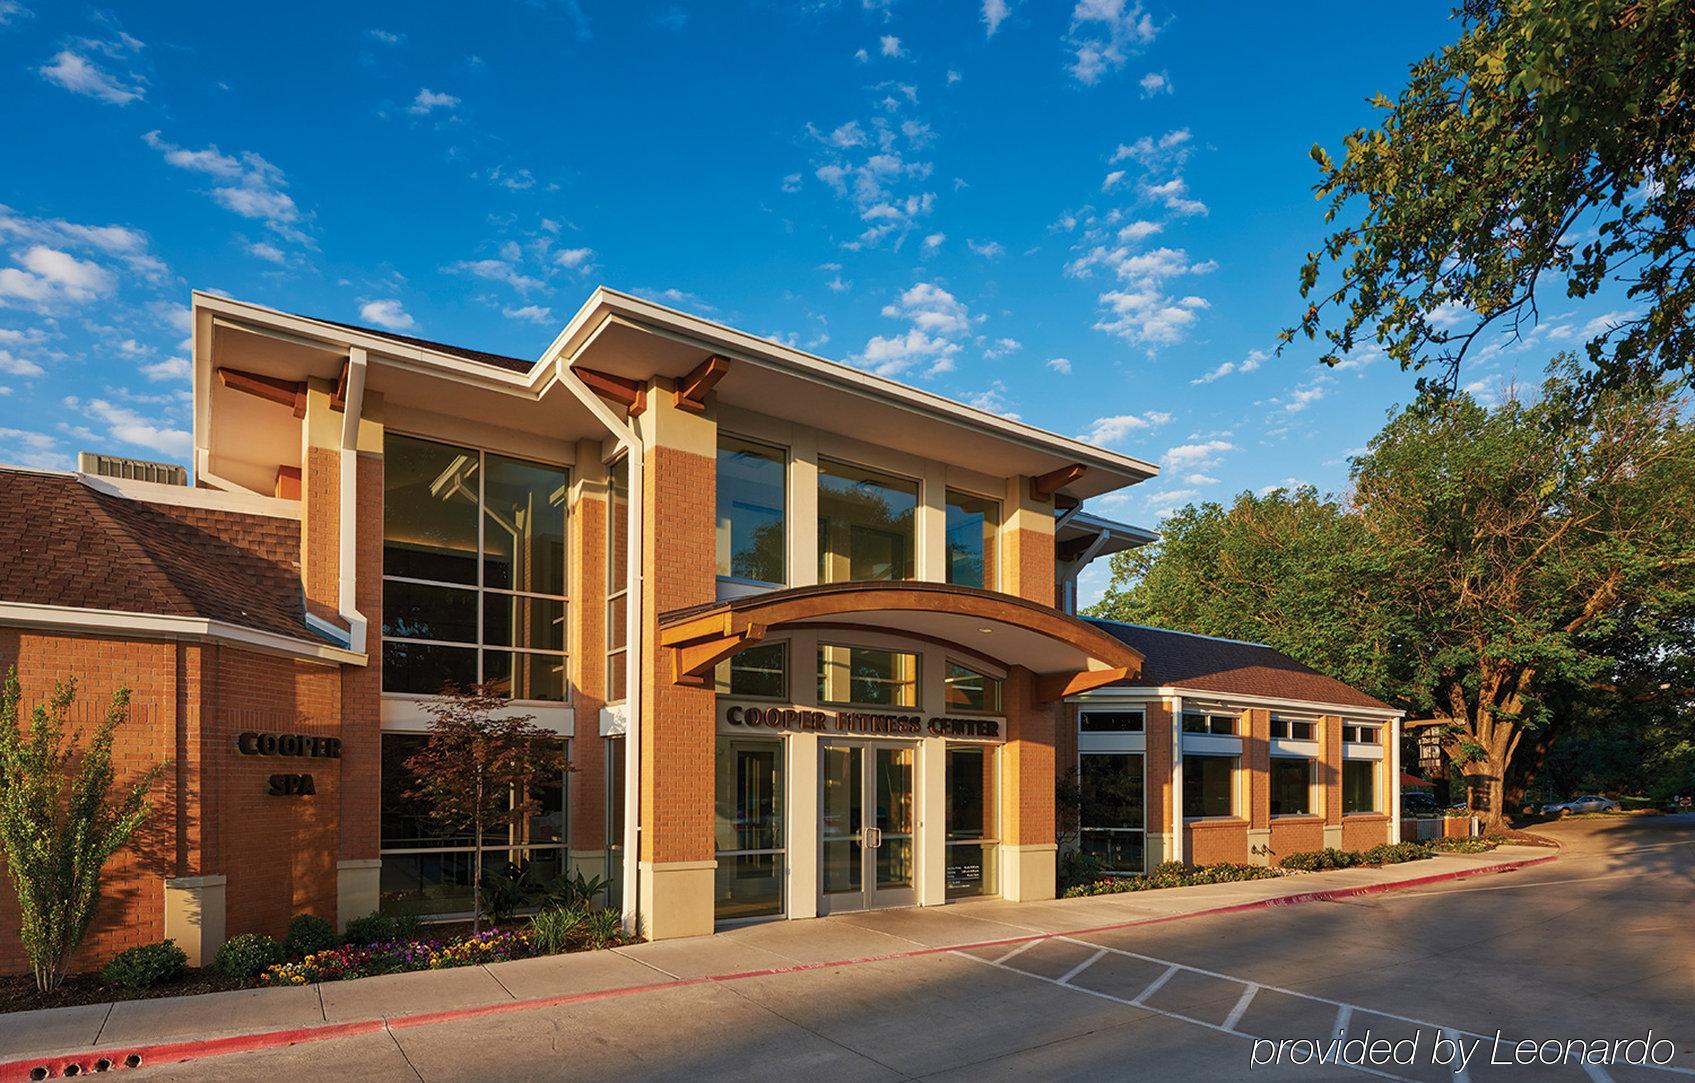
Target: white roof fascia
[165,626]
[1111,694]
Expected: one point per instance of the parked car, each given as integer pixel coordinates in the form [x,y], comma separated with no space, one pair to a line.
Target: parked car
[1589,803]
[1418,803]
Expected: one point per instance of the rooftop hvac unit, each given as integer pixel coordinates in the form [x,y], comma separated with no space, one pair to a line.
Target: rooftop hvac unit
[113,466]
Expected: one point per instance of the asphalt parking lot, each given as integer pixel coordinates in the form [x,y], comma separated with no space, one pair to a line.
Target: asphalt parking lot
[1598,946]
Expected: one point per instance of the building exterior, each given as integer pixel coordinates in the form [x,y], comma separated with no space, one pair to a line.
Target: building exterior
[808,636]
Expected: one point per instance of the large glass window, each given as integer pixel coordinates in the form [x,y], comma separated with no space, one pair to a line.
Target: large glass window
[617,580]
[971,528]
[473,570]
[972,822]
[752,484]
[1111,722]
[1292,728]
[748,826]
[1364,735]
[615,822]
[1209,785]
[1359,786]
[866,524]
[1195,722]
[867,677]
[971,691]
[761,671]
[1110,821]
[1291,785]
[427,870]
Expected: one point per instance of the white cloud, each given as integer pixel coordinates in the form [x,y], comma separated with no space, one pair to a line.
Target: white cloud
[938,320]
[126,426]
[953,77]
[1174,194]
[1302,397]
[1060,365]
[428,101]
[1001,347]
[1110,430]
[79,75]
[791,183]
[268,252]
[248,185]
[531,313]
[1201,479]
[1148,317]
[496,270]
[11,11]
[575,259]
[890,46]
[386,37]
[128,245]
[1254,360]
[992,399]
[994,13]
[1112,180]
[1197,456]
[934,242]
[986,249]
[1163,504]
[1155,82]
[389,313]
[838,285]
[1103,35]
[46,277]
[12,365]
[873,166]
[932,309]
[173,368]
[28,448]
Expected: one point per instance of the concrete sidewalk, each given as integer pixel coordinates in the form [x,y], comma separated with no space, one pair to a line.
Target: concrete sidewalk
[283,1016]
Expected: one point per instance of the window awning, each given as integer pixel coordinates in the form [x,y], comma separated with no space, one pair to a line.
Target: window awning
[1068,655]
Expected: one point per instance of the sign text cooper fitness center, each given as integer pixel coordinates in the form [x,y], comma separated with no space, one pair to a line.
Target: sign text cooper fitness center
[737,716]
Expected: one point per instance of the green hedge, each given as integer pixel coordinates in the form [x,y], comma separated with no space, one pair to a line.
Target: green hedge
[1384,853]
[1172,874]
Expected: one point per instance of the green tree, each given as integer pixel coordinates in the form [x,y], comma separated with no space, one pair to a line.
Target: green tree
[60,820]
[1552,147]
[1488,568]
[480,769]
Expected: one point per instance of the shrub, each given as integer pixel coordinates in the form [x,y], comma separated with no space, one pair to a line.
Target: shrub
[1173,874]
[148,965]
[1320,860]
[352,961]
[381,928]
[553,928]
[62,815]
[247,955]
[308,933]
[1394,853]
[1462,845]
[605,928]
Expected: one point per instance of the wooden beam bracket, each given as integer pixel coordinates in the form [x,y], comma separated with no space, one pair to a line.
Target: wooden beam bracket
[692,389]
[1046,485]
[630,394]
[288,393]
[1051,687]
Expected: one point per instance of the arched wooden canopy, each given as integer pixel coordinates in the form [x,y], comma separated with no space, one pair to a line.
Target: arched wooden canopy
[1067,655]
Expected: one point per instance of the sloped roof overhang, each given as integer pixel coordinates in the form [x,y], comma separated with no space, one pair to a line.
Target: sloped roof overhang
[1067,655]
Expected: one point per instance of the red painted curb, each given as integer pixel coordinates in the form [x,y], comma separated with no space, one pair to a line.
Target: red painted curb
[19,1071]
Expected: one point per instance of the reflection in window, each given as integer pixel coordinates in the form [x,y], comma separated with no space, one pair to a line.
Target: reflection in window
[866,524]
[1359,786]
[615,822]
[1291,785]
[972,823]
[455,520]
[1111,722]
[752,538]
[748,828]
[1292,728]
[867,677]
[617,579]
[1209,723]
[427,870]
[968,690]
[1110,820]
[1209,785]
[971,526]
[761,671]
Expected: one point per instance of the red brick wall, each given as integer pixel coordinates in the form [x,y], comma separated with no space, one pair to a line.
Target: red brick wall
[1295,834]
[1330,767]
[1158,766]
[1361,831]
[279,853]
[361,689]
[588,665]
[1027,763]
[680,568]
[1208,843]
[1256,760]
[132,910]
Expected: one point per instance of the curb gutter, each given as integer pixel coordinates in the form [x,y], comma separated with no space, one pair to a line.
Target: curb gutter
[95,1059]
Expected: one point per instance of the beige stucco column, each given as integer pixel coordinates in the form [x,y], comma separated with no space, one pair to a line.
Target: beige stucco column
[194,916]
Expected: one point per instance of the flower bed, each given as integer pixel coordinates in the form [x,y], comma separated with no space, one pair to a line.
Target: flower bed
[394,957]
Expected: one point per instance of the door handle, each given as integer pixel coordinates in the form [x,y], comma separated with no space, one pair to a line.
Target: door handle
[873,837]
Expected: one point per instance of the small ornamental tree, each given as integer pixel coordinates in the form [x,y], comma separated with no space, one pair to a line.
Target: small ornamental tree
[60,820]
[480,768]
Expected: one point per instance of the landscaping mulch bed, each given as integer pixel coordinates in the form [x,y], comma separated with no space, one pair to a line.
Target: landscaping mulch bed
[19,994]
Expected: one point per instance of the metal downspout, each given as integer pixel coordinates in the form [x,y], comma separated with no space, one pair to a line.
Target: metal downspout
[347,588]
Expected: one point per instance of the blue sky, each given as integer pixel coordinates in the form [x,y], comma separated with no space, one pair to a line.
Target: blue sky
[1087,214]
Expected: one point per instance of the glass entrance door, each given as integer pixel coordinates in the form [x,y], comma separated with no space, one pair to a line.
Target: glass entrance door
[867,843]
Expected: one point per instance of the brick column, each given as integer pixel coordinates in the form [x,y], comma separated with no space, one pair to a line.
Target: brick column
[679,568]
[1330,776]
[1256,759]
[1029,848]
[1027,547]
[1157,794]
[587,647]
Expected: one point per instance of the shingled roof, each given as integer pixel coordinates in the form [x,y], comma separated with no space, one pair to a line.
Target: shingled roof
[1226,666]
[67,544]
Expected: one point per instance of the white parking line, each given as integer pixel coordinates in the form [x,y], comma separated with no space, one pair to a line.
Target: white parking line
[1461,1075]
[1082,966]
[1598,1073]
[1157,984]
[1019,950]
[1344,1012]
[1241,1007]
